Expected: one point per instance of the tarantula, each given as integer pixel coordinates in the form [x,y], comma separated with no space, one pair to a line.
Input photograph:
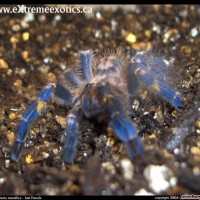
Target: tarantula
[102,93]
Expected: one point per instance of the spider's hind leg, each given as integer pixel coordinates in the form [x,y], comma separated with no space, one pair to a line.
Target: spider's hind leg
[162,89]
[169,94]
[139,73]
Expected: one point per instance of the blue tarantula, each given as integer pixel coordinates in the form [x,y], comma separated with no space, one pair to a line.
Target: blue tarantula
[102,93]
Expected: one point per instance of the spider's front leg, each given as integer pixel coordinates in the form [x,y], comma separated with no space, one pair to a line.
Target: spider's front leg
[111,102]
[86,64]
[126,132]
[71,140]
[34,111]
[72,131]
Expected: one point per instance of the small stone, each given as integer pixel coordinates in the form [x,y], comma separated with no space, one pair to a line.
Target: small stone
[148,33]
[196,171]
[16,27]
[98,34]
[12,115]
[195,150]
[128,169]
[109,167]
[14,40]
[113,25]
[45,155]
[29,159]
[24,24]
[156,28]
[194,32]
[55,151]
[61,121]
[47,60]
[171,35]
[3,64]
[25,36]
[142,191]
[25,55]
[32,134]
[159,116]
[142,45]
[176,151]
[18,83]
[29,17]
[135,104]
[110,142]
[197,124]
[186,49]
[183,13]
[160,178]
[57,17]
[2,180]
[131,38]
[42,18]
[9,72]
[51,77]
[10,137]
[7,163]
[185,24]
[99,16]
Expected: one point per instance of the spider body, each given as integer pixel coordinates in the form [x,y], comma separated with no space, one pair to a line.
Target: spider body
[101,93]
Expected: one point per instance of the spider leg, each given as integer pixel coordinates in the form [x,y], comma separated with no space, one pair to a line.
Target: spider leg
[163,89]
[126,132]
[34,111]
[112,102]
[63,95]
[72,78]
[150,81]
[86,64]
[72,131]
[169,94]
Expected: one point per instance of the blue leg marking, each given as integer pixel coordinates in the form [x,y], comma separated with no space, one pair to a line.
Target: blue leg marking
[19,143]
[28,117]
[168,93]
[152,71]
[153,65]
[147,79]
[71,140]
[127,133]
[46,93]
[72,78]
[86,64]
[63,95]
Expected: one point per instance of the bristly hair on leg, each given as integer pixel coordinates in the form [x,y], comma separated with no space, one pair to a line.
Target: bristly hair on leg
[151,72]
